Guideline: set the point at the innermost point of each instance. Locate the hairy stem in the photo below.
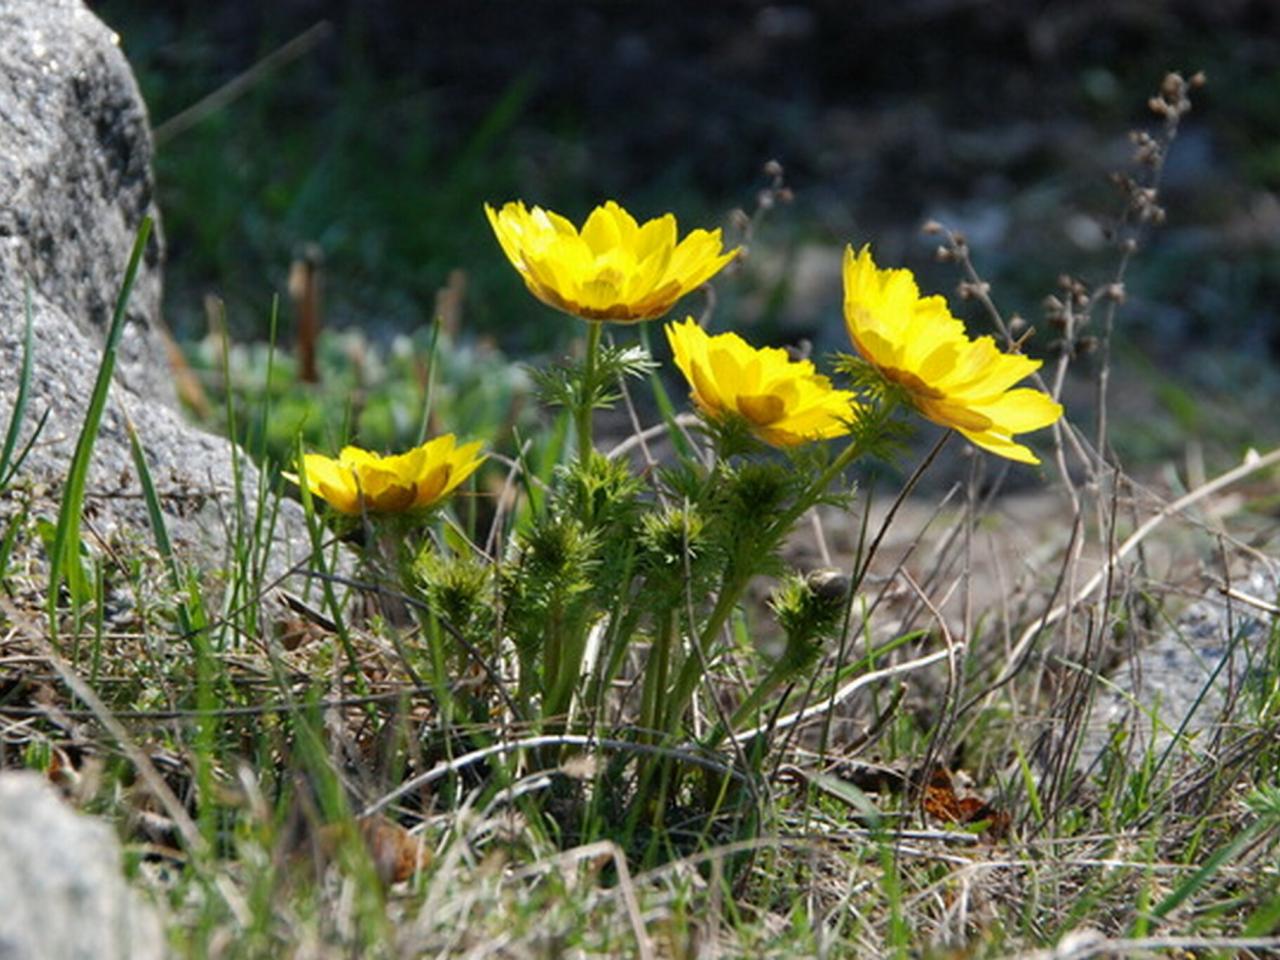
(586, 400)
(655, 677)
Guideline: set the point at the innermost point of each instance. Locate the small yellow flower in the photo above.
(614, 269)
(952, 380)
(360, 481)
(784, 401)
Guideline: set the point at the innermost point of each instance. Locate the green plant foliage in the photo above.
(366, 391)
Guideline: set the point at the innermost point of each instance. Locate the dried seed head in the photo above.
(773, 169)
(943, 254)
(1148, 150)
(802, 350)
(931, 228)
(829, 584)
(1017, 324)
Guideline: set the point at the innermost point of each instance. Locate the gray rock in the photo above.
(64, 895)
(75, 183)
(1194, 678)
(75, 178)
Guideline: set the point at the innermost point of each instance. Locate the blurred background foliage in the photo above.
(379, 132)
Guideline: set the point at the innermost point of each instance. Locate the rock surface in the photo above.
(1189, 678)
(75, 178)
(61, 885)
(75, 183)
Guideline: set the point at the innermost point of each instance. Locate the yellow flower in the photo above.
(952, 380)
(360, 481)
(784, 401)
(614, 269)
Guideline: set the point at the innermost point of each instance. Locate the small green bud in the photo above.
(758, 490)
(671, 539)
(458, 589)
(557, 549)
(599, 491)
(809, 609)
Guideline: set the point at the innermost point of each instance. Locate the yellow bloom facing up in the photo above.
(784, 401)
(360, 481)
(613, 269)
(952, 380)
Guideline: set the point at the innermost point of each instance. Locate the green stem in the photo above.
(586, 400)
(733, 586)
(554, 652)
(569, 670)
(622, 626)
(778, 674)
(526, 683)
(439, 669)
(691, 671)
(838, 466)
(655, 678)
(326, 584)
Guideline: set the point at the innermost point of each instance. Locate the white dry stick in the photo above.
(682, 420)
(590, 657)
(820, 537)
(847, 691)
(1249, 600)
(447, 767)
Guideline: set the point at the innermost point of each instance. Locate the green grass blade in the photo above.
(158, 527)
(1265, 919)
(193, 624)
(429, 391)
(20, 403)
(666, 407)
(1218, 859)
(26, 448)
(11, 538)
(1029, 783)
(65, 556)
(315, 529)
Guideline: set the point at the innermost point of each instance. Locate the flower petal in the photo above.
(614, 269)
(362, 481)
(953, 380)
(784, 402)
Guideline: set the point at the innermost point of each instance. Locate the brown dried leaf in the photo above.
(396, 853)
(942, 802)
